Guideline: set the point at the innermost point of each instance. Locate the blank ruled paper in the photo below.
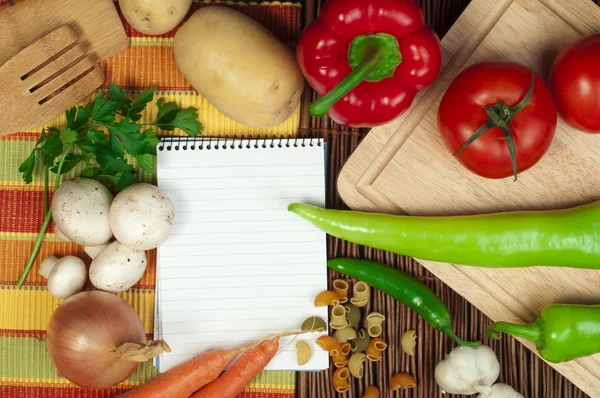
(238, 265)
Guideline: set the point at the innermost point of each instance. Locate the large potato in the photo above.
(239, 66)
(154, 17)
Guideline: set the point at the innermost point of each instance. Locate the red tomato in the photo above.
(575, 84)
(486, 93)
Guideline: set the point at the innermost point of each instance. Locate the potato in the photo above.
(154, 17)
(81, 210)
(239, 66)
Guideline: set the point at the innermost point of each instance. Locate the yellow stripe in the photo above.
(31, 309)
(51, 383)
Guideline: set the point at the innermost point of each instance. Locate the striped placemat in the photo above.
(25, 367)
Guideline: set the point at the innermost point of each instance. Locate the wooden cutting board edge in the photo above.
(382, 143)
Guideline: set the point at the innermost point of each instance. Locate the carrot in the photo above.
(241, 373)
(186, 378)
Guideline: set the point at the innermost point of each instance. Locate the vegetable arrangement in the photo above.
(98, 136)
(564, 238)
(368, 59)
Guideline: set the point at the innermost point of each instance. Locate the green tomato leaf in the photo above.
(146, 162)
(27, 167)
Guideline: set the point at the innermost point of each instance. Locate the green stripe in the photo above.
(280, 378)
(28, 358)
(15, 152)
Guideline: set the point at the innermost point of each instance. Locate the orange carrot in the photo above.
(241, 373)
(186, 378)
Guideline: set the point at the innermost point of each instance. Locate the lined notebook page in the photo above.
(238, 265)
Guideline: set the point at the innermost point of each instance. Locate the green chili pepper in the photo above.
(516, 239)
(561, 332)
(403, 288)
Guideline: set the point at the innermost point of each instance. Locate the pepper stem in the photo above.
(372, 57)
(458, 340)
(531, 332)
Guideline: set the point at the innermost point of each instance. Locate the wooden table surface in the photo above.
(519, 367)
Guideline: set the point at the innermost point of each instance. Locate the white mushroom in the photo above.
(117, 268)
(93, 251)
(141, 216)
(81, 211)
(67, 277)
(47, 265)
(60, 235)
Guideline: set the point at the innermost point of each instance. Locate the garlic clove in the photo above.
(501, 390)
(468, 370)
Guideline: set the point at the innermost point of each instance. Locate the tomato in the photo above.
(575, 84)
(483, 99)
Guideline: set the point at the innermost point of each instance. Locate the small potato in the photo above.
(154, 17)
(67, 277)
(239, 66)
(81, 210)
(117, 268)
(141, 216)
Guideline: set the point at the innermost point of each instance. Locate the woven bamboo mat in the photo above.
(519, 367)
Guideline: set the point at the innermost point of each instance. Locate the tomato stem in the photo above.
(500, 115)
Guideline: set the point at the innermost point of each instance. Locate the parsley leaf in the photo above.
(171, 116)
(67, 136)
(125, 136)
(103, 109)
(27, 167)
(117, 94)
(146, 162)
(51, 149)
(125, 179)
(71, 160)
(135, 111)
(109, 163)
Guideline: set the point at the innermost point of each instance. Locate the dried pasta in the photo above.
(340, 287)
(338, 318)
(409, 342)
(340, 360)
(374, 322)
(375, 349)
(361, 342)
(361, 294)
(402, 381)
(314, 323)
(329, 344)
(356, 365)
(345, 348)
(326, 298)
(340, 380)
(352, 314)
(345, 334)
(303, 352)
(371, 392)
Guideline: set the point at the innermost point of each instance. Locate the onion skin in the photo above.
(85, 331)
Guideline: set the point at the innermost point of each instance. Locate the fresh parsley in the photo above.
(101, 134)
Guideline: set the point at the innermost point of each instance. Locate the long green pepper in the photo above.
(561, 332)
(403, 288)
(569, 238)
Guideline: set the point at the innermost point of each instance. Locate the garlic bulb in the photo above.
(501, 390)
(468, 370)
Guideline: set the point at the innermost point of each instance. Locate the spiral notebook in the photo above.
(238, 265)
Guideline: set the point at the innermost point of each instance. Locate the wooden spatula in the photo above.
(42, 80)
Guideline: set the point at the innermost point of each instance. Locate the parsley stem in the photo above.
(46, 178)
(42, 233)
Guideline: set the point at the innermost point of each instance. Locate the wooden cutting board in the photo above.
(96, 22)
(403, 167)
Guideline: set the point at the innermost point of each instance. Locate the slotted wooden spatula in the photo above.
(42, 80)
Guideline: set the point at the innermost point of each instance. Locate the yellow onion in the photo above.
(96, 340)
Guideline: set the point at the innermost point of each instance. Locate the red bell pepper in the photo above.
(368, 59)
